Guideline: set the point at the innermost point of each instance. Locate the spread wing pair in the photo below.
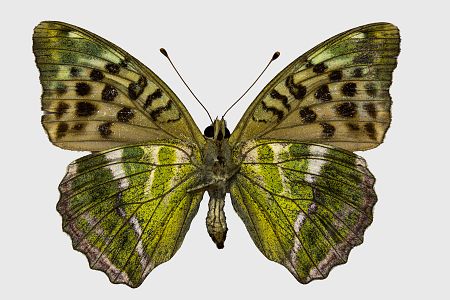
(304, 198)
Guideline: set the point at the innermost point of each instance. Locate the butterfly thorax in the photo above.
(218, 169)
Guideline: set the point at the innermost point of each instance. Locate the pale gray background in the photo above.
(220, 48)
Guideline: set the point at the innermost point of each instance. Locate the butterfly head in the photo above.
(217, 130)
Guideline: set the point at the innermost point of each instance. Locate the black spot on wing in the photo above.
(346, 109)
(349, 89)
(61, 129)
(85, 109)
(105, 129)
(307, 115)
(323, 93)
(75, 72)
(96, 75)
(109, 93)
(112, 68)
(327, 130)
(125, 115)
(320, 68)
(357, 73)
(335, 75)
(82, 88)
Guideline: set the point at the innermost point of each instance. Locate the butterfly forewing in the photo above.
(128, 209)
(305, 205)
(96, 96)
(335, 94)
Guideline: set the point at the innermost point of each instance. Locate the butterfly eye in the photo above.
(227, 133)
(209, 132)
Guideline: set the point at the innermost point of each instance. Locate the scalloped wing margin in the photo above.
(305, 205)
(128, 209)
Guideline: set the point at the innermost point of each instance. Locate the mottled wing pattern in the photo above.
(335, 94)
(96, 96)
(305, 205)
(128, 209)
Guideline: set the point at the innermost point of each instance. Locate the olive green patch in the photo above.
(302, 207)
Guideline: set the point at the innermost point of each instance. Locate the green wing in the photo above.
(128, 209)
(335, 94)
(305, 205)
(96, 96)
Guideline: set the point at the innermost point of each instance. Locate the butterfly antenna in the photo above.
(274, 56)
(164, 52)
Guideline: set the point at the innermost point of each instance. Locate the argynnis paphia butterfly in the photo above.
(304, 197)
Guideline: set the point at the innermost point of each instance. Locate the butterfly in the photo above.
(304, 196)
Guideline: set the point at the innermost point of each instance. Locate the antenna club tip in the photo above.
(276, 55)
(164, 52)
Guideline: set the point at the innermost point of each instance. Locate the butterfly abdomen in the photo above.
(216, 221)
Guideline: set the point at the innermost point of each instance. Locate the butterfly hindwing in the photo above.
(335, 94)
(305, 205)
(96, 96)
(128, 209)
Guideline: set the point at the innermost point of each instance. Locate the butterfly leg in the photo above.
(216, 220)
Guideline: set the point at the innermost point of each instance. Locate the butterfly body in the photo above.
(219, 168)
(304, 196)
